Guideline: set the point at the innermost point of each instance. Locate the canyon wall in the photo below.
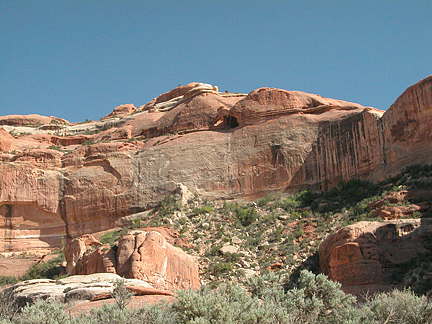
(61, 180)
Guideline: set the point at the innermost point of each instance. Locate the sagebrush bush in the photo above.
(263, 300)
(402, 307)
(121, 294)
(228, 303)
(42, 312)
(8, 308)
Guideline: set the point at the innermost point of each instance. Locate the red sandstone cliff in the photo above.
(218, 145)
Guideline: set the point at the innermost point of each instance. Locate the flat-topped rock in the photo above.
(74, 289)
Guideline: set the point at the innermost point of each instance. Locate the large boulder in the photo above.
(122, 110)
(144, 255)
(74, 289)
(75, 250)
(366, 256)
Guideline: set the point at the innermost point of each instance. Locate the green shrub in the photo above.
(228, 304)
(42, 312)
(264, 201)
(232, 257)
(7, 280)
(8, 307)
(89, 142)
(112, 237)
(55, 147)
(319, 300)
(168, 206)
(306, 198)
(246, 215)
(217, 268)
(203, 210)
(48, 269)
(402, 307)
(121, 294)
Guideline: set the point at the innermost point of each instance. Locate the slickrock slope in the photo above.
(62, 179)
(144, 255)
(366, 256)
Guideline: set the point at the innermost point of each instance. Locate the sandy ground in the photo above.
(15, 266)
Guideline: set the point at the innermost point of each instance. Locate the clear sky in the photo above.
(81, 59)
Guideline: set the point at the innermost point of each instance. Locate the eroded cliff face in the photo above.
(66, 179)
(407, 128)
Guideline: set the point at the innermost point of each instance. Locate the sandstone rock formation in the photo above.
(398, 204)
(144, 255)
(66, 180)
(30, 120)
(364, 256)
(76, 289)
(6, 141)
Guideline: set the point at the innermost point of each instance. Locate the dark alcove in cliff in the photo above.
(231, 122)
(226, 122)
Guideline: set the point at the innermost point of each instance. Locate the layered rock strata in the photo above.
(65, 180)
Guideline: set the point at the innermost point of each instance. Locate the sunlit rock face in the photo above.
(365, 256)
(60, 180)
(144, 255)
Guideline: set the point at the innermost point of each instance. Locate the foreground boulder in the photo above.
(373, 256)
(144, 255)
(75, 289)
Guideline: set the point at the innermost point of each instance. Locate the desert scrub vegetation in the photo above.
(280, 230)
(88, 142)
(111, 238)
(261, 300)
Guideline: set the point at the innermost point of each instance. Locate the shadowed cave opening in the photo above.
(231, 122)
(226, 122)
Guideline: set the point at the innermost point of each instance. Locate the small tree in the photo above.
(121, 294)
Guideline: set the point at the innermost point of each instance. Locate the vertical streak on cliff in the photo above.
(382, 140)
(138, 181)
(61, 209)
(8, 228)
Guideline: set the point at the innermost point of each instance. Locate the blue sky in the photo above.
(81, 59)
